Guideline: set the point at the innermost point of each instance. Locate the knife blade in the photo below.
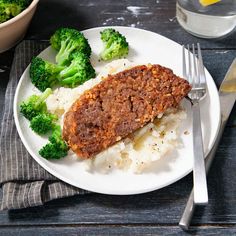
(227, 94)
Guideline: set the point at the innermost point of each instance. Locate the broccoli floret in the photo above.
(56, 148)
(67, 41)
(115, 44)
(56, 136)
(43, 123)
(52, 151)
(79, 71)
(55, 39)
(11, 8)
(43, 74)
(35, 105)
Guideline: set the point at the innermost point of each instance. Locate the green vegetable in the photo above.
(79, 71)
(115, 44)
(43, 74)
(67, 41)
(56, 148)
(11, 8)
(43, 123)
(35, 105)
(56, 135)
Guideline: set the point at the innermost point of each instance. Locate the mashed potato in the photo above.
(138, 151)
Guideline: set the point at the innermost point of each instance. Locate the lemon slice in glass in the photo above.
(208, 2)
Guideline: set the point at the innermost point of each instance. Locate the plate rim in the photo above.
(71, 182)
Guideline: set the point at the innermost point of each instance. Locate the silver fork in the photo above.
(196, 76)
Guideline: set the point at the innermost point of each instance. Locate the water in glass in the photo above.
(211, 21)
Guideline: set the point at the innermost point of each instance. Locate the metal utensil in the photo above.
(196, 76)
(227, 93)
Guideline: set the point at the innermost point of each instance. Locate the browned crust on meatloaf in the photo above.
(119, 105)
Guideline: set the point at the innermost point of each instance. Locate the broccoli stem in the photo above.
(67, 72)
(72, 81)
(44, 96)
(65, 50)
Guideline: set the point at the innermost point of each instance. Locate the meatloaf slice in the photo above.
(119, 105)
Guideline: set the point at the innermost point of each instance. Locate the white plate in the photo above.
(145, 47)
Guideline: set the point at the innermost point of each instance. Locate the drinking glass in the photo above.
(213, 21)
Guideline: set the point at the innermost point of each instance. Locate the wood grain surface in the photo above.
(158, 212)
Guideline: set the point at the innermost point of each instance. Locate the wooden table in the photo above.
(158, 212)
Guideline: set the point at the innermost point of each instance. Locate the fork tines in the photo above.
(194, 72)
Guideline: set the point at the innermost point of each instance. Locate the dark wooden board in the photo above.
(118, 230)
(157, 16)
(155, 213)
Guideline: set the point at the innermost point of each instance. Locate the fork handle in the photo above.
(190, 206)
(200, 195)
